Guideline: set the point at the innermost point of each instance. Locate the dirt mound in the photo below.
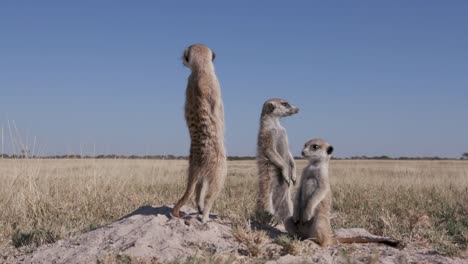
(151, 235)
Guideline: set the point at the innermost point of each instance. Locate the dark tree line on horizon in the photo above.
(173, 157)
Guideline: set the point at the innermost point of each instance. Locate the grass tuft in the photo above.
(35, 237)
(291, 246)
(253, 241)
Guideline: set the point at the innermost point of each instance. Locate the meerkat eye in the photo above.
(285, 104)
(315, 147)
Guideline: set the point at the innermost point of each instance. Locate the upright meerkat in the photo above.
(204, 113)
(311, 218)
(312, 208)
(276, 166)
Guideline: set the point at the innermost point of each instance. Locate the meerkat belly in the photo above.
(282, 145)
(309, 186)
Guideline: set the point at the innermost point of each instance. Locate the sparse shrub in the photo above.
(34, 237)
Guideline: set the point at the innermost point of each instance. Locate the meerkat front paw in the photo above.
(306, 217)
(293, 176)
(286, 176)
(292, 171)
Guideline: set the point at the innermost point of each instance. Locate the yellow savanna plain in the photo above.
(420, 202)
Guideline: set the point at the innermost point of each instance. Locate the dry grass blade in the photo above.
(252, 240)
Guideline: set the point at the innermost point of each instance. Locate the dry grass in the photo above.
(253, 241)
(421, 202)
(292, 245)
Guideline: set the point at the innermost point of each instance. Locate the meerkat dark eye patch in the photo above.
(285, 104)
(330, 150)
(186, 55)
(315, 146)
(213, 55)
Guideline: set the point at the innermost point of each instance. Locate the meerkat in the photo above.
(313, 204)
(276, 165)
(312, 207)
(204, 114)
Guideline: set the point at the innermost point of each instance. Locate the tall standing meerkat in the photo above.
(276, 166)
(313, 204)
(204, 114)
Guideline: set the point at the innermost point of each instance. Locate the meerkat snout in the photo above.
(295, 109)
(290, 109)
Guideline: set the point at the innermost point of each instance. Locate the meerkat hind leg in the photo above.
(282, 202)
(209, 201)
(322, 231)
(265, 193)
(200, 196)
(214, 187)
(286, 207)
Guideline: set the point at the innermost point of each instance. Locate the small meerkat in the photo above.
(276, 165)
(311, 218)
(313, 204)
(204, 114)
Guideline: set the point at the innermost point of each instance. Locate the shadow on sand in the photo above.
(271, 231)
(165, 210)
(150, 210)
(188, 213)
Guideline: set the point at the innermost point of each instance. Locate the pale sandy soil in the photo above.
(151, 235)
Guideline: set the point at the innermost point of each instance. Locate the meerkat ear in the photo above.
(268, 107)
(330, 150)
(213, 55)
(186, 54)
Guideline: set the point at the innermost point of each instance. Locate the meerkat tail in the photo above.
(191, 185)
(386, 241)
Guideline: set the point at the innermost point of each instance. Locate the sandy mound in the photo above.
(150, 233)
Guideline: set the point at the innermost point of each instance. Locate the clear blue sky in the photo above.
(371, 77)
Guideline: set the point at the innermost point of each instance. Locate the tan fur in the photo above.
(312, 208)
(276, 166)
(204, 114)
(311, 219)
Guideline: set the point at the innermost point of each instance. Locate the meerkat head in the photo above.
(196, 55)
(278, 108)
(317, 149)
